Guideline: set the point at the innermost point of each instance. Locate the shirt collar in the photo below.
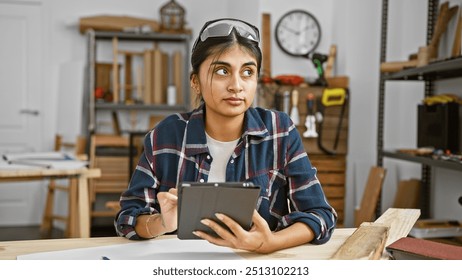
(196, 141)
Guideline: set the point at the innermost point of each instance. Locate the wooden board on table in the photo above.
(400, 222)
(366, 243)
(370, 240)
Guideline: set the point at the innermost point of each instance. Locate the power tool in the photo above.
(318, 60)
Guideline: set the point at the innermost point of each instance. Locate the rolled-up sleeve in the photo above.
(305, 193)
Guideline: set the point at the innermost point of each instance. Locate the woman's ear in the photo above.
(195, 85)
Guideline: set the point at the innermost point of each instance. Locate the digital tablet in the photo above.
(197, 201)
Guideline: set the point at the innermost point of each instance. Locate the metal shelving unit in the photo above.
(428, 74)
(426, 160)
(90, 106)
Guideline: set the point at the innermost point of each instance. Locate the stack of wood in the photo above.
(429, 53)
(153, 75)
(156, 75)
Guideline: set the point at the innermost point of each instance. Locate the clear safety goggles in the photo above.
(223, 27)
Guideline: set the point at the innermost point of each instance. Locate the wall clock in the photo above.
(298, 33)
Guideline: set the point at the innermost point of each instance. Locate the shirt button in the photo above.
(201, 180)
(208, 156)
(232, 161)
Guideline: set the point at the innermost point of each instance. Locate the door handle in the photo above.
(30, 112)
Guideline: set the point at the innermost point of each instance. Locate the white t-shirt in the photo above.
(221, 153)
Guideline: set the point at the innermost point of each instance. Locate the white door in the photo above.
(20, 104)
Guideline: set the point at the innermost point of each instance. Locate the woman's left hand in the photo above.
(258, 239)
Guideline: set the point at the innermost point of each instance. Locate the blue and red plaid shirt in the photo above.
(269, 154)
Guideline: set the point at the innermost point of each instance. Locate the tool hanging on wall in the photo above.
(294, 114)
(331, 97)
(310, 121)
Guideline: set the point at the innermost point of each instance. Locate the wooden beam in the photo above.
(366, 243)
(400, 222)
(370, 239)
(266, 45)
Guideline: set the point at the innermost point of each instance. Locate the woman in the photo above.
(225, 139)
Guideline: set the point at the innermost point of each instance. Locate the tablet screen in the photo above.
(197, 201)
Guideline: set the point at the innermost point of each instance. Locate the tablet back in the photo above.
(197, 201)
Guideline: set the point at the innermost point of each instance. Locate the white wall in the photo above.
(353, 25)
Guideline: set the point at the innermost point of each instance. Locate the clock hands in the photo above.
(290, 30)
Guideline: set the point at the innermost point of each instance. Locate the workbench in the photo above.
(9, 250)
(80, 224)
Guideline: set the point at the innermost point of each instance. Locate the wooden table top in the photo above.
(9, 250)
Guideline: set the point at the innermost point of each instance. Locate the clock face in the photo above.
(298, 33)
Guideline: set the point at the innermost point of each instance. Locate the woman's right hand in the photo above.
(168, 202)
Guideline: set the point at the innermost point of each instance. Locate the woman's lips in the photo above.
(234, 100)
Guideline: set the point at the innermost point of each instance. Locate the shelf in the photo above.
(424, 160)
(445, 69)
(167, 37)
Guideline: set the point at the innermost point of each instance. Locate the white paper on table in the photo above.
(55, 160)
(165, 249)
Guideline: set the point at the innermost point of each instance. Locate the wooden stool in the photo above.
(71, 188)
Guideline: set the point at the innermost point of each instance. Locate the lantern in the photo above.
(172, 16)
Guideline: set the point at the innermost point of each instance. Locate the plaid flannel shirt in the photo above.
(269, 154)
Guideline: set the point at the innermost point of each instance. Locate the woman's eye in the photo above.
(247, 73)
(222, 72)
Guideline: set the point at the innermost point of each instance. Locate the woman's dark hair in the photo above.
(218, 45)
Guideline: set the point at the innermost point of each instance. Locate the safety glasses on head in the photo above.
(223, 27)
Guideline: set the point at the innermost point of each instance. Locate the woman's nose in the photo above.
(235, 84)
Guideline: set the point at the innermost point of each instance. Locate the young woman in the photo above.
(226, 139)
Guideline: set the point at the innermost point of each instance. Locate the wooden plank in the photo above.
(400, 222)
(408, 194)
(331, 61)
(334, 192)
(115, 23)
(147, 66)
(312, 148)
(328, 163)
(110, 140)
(370, 239)
(366, 243)
(157, 82)
(457, 37)
(338, 82)
(128, 77)
(115, 70)
(177, 76)
(266, 44)
(395, 66)
(371, 194)
(336, 203)
(331, 178)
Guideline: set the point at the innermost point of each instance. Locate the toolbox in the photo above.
(439, 126)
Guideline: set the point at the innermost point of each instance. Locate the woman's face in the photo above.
(228, 83)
